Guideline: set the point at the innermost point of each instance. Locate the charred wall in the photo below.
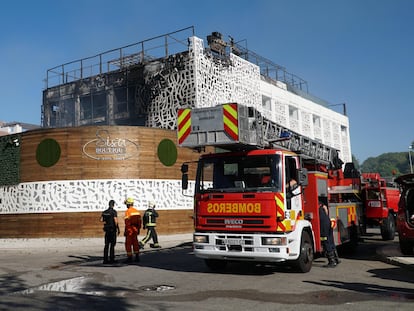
(131, 95)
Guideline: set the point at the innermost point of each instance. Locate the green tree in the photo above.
(387, 164)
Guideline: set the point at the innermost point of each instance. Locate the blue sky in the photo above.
(358, 52)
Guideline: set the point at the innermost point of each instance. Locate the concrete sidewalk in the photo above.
(90, 246)
(52, 243)
(391, 254)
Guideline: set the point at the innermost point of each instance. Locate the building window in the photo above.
(99, 105)
(85, 107)
(316, 121)
(344, 131)
(266, 103)
(293, 113)
(120, 103)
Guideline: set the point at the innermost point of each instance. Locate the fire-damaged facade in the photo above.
(128, 90)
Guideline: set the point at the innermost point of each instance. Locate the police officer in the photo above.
(327, 239)
(150, 223)
(110, 219)
(132, 227)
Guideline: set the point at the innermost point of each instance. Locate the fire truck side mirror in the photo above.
(184, 168)
(303, 177)
(184, 177)
(184, 181)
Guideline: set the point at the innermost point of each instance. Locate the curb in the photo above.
(391, 254)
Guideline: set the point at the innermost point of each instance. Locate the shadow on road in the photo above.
(398, 293)
(179, 258)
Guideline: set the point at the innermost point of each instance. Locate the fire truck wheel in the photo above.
(388, 228)
(216, 264)
(304, 262)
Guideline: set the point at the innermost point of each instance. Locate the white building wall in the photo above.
(218, 82)
(56, 196)
(237, 80)
(11, 129)
(333, 129)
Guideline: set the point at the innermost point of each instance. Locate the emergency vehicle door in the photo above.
(293, 190)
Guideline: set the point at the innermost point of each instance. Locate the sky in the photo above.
(357, 52)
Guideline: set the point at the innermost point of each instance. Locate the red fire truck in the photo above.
(380, 203)
(344, 192)
(246, 207)
(405, 216)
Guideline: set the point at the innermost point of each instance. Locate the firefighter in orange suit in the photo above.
(132, 226)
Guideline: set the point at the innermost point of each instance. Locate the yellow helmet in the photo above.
(129, 201)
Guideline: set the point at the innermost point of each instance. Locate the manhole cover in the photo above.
(157, 288)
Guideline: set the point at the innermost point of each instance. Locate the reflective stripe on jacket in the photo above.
(150, 218)
(132, 217)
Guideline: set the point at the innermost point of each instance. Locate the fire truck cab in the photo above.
(240, 194)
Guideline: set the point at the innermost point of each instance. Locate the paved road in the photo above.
(63, 274)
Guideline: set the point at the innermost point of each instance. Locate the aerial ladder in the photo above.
(235, 127)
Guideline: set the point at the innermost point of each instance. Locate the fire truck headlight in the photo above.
(274, 241)
(200, 239)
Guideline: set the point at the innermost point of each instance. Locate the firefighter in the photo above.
(111, 227)
(150, 223)
(132, 227)
(327, 239)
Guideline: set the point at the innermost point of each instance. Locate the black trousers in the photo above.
(110, 242)
(151, 233)
(329, 244)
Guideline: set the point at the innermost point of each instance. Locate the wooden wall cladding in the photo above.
(84, 225)
(75, 164)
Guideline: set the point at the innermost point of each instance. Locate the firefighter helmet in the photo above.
(129, 201)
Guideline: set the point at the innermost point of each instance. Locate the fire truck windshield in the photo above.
(230, 173)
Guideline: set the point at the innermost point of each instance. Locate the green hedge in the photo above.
(10, 159)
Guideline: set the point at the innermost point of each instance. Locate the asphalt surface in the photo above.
(42, 274)
(36, 274)
(389, 253)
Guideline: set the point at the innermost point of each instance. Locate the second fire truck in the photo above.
(380, 203)
(256, 198)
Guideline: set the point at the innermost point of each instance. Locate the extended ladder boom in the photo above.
(237, 127)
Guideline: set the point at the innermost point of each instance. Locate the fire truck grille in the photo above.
(234, 243)
(236, 223)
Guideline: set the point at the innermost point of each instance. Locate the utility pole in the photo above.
(409, 157)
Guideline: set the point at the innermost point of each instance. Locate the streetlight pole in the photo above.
(409, 157)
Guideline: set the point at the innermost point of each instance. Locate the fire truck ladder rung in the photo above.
(276, 134)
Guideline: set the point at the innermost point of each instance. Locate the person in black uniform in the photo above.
(150, 223)
(110, 219)
(327, 238)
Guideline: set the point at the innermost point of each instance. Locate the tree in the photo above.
(387, 164)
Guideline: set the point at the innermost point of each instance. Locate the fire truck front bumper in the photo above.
(245, 247)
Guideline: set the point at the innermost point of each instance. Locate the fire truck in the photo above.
(344, 196)
(256, 198)
(380, 203)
